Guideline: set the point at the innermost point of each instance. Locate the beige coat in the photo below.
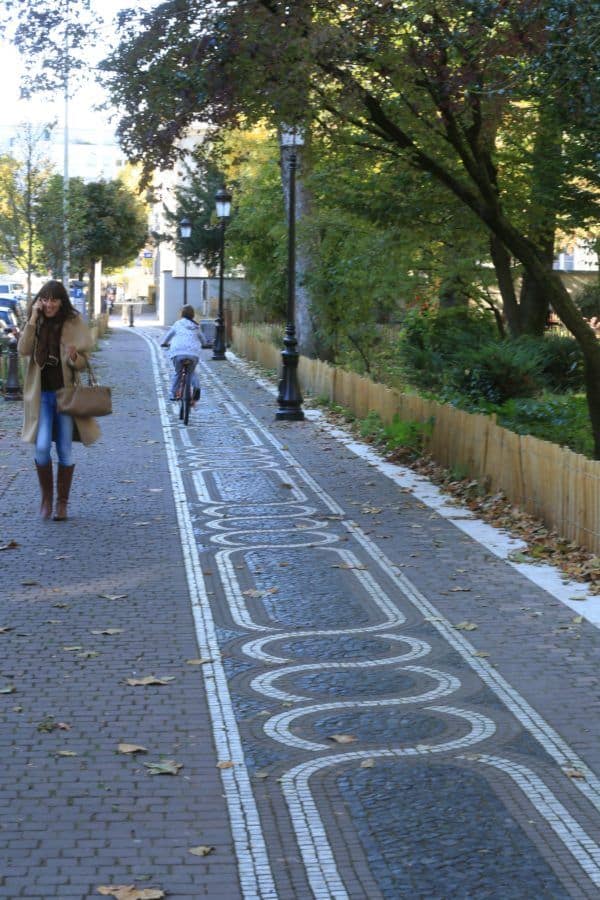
(74, 333)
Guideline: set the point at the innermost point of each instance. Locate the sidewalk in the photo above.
(358, 699)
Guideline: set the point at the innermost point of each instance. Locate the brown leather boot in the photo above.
(64, 478)
(47, 488)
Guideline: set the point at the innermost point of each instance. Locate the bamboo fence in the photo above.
(557, 486)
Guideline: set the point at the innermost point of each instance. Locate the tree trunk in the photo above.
(501, 259)
(302, 307)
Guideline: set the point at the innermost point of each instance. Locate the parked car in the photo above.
(19, 307)
(12, 289)
(8, 320)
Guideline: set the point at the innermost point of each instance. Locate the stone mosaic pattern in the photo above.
(337, 641)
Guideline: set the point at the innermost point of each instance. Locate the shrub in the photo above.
(588, 300)
(432, 339)
(561, 361)
(564, 420)
(495, 372)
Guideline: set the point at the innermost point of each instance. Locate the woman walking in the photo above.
(57, 342)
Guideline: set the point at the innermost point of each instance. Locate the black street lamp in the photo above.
(223, 205)
(289, 397)
(185, 232)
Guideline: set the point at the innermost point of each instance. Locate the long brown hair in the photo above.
(56, 290)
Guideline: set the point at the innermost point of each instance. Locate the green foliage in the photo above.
(496, 372)
(561, 361)
(433, 339)
(561, 419)
(588, 300)
(398, 435)
(49, 224)
(195, 200)
(115, 224)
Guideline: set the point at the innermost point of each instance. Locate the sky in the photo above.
(86, 122)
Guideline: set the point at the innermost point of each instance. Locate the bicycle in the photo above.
(185, 392)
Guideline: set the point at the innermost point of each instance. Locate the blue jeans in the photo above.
(56, 426)
(178, 363)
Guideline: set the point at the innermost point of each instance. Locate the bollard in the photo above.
(130, 314)
(12, 389)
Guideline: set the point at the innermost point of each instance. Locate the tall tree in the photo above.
(49, 224)
(23, 178)
(432, 83)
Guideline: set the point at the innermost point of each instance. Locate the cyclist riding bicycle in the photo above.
(184, 342)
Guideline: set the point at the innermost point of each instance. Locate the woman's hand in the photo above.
(72, 351)
(35, 311)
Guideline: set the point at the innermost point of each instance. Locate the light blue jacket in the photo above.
(183, 338)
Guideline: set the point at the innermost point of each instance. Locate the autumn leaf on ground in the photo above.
(342, 738)
(149, 679)
(72, 648)
(131, 748)
(466, 626)
(367, 763)
(130, 892)
(29, 583)
(481, 653)
(4, 629)
(456, 590)
(225, 765)
(201, 850)
(197, 662)
(49, 724)
(577, 620)
(107, 631)
(573, 773)
(65, 753)
(346, 566)
(113, 596)
(88, 654)
(8, 689)
(10, 546)
(164, 767)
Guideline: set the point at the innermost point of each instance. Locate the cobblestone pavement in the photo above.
(363, 701)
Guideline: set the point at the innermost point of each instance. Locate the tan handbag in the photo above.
(84, 401)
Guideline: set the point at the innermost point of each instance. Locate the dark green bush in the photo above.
(562, 361)
(432, 339)
(496, 372)
(563, 420)
(588, 300)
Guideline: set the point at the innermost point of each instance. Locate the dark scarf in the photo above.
(47, 341)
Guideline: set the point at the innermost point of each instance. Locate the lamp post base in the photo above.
(219, 344)
(289, 397)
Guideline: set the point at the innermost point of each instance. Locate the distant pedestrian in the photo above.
(58, 342)
(184, 340)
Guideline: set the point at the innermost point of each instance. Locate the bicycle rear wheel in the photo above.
(183, 392)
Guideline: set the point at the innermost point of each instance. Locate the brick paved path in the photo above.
(342, 738)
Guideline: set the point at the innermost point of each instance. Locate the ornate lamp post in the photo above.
(185, 232)
(223, 205)
(289, 397)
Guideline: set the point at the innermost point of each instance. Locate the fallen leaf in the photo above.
(579, 599)
(10, 546)
(201, 850)
(342, 738)
(346, 566)
(149, 679)
(113, 596)
(131, 748)
(4, 629)
(29, 583)
(456, 590)
(466, 626)
(8, 689)
(225, 765)
(367, 764)
(577, 620)
(197, 662)
(72, 648)
(88, 654)
(164, 767)
(573, 773)
(481, 653)
(107, 631)
(66, 753)
(130, 892)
